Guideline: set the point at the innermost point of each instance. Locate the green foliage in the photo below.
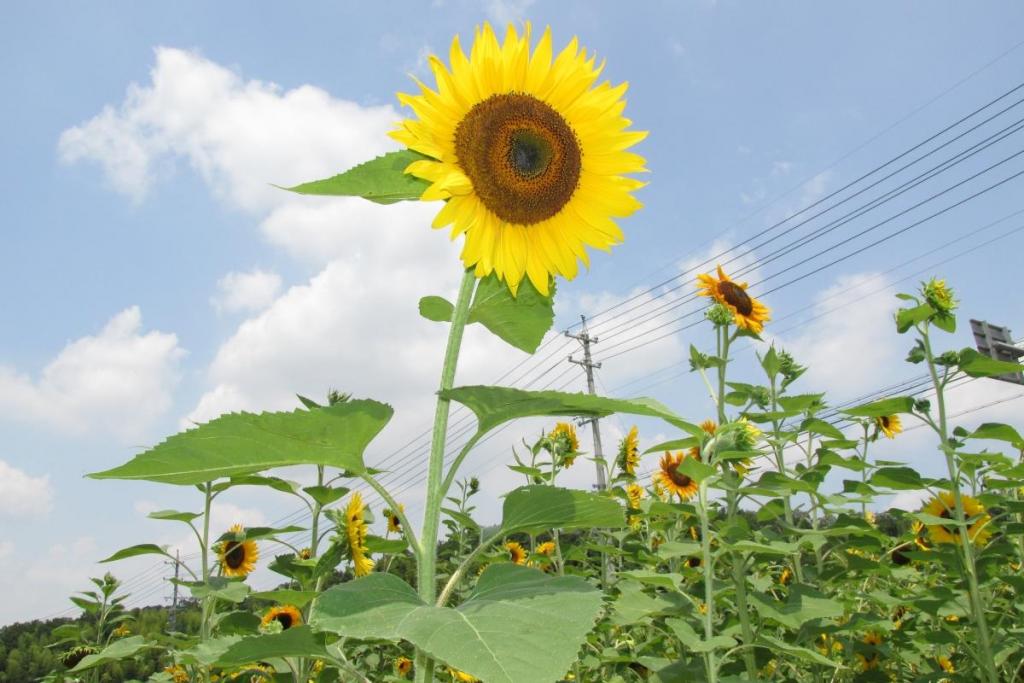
(382, 180)
(535, 509)
(513, 612)
(243, 443)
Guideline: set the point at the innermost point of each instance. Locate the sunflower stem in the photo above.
(709, 581)
(427, 566)
(864, 473)
(205, 551)
(967, 545)
(732, 497)
(780, 463)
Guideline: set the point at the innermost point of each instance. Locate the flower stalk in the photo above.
(426, 570)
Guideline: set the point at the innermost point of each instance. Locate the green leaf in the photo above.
(674, 445)
(887, 406)
(801, 402)
(534, 509)
(494, 406)
(141, 549)
(771, 362)
(325, 495)
(897, 478)
(802, 605)
(382, 180)
(298, 641)
(386, 546)
(257, 533)
(174, 515)
(816, 426)
(462, 518)
(276, 483)
(115, 652)
(667, 580)
(436, 308)
(520, 320)
(244, 443)
(978, 365)
(998, 432)
(804, 653)
(219, 587)
(908, 317)
(286, 596)
(688, 636)
(518, 625)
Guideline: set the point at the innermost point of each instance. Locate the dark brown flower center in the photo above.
(885, 421)
(677, 477)
(234, 554)
(522, 157)
(736, 297)
(284, 619)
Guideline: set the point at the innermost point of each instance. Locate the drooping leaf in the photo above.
(115, 652)
(325, 495)
(978, 365)
(219, 587)
(496, 405)
(245, 443)
(520, 320)
(897, 478)
(386, 546)
(382, 180)
(298, 641)
(534, 509)
(689, 637)
(998, 432)
(887, 406)
(908, 317)
(804, 653)
(518, 625)
(436, 308)
(135, 550)
(257, 533)
(276, 483)
(802, 605)
(174, 515)
(817, 426)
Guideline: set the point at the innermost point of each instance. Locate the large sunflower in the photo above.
(748, 312)
(355, 530)
(629, 451)
(237, 558)
(528, 152)
(672, 479)
(286, 615)
(394, 521)
(944, 505)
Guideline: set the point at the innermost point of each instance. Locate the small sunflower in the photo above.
(121, 631)
(826, 644)
(709, 427)
(889, 425)
(546, 548)
(564, 434)
(629, 452)
(785, 577)
(462, 676)
(748, 312)
(920, 535)
(870, 658)
(516, 552)
(403, 666)
(237, 558)
(177, 673)
(530, 155)
(946, 664)
(673, 480)
(394, 522)
(286, 615)
(355, 530)
(659, 490)
(634, 493)
(943, 506)
(938, 295)
(306, 554)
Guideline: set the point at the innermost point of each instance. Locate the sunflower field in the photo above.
(733, 562)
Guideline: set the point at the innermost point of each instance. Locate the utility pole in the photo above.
(172, 621)
(588, 365)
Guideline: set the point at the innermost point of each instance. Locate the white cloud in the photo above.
(231, 131)
(22, 495)
(251, 291)
(853, 344)
(504, 12)
(6, 549)
(119, 381)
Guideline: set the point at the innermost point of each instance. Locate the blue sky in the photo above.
(150, 275)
